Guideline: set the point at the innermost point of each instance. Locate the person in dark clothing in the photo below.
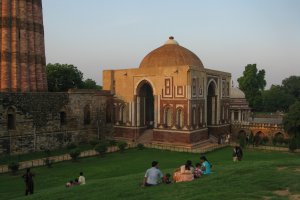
(239, 153)
(28, 178)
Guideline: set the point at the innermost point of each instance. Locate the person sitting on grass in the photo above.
(72, 183)
(166, 179)
(153, 175)
(81, 179)
(184, 173)
(206, 166)
(76, 182)
(198, 171)
(69, 184)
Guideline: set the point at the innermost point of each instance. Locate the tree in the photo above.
(252, 83)
(292, 86)
(291, 121)
(277, 99)
(62, 77)
(91, 84)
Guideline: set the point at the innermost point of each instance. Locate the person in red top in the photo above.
(198, 171)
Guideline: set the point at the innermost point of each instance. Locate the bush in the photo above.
(280, 139)
(293, 145)
(71, 146)
(251, 138)
(140, 146)
(74, 153)
(274, 141)
(94, 142)
(257, 139)
(112, 143)
(122, 145)
(265, 139)
(14, 167)
(48, 162)
(101, 148)
(286, 141)
(242, 141)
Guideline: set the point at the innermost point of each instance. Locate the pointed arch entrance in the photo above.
(212, 103)
(145, 105)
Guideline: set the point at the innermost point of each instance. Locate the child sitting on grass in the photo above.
(166, 179)
(198, 171)
(72, 183)
(69, 184)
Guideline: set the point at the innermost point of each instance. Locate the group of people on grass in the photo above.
(153, 176)
(78, 181)
(186, 172)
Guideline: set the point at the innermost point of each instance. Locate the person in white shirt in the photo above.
(81, 179)
(153, 175)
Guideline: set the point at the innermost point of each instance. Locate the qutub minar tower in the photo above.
(22, 56)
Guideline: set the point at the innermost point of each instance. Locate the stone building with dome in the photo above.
(239, 107)
(170, 96)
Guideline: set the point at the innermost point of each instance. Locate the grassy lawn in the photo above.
(117, 176)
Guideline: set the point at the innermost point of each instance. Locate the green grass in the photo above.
(6, 159)
(117, 176)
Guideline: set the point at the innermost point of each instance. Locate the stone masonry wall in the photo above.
(37, 119)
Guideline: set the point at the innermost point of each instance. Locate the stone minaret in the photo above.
(22, 46)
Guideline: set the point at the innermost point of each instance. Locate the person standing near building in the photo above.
(28, 178)
(153, 175)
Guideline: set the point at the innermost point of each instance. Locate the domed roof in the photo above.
(236, 93)
(170, 54)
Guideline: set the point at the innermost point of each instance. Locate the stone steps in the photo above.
(146, 137)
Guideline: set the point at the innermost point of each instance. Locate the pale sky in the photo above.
(226, 35)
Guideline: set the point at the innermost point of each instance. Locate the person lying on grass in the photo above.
(153, 175)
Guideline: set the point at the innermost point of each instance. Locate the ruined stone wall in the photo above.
(33, 121)
(269, 130)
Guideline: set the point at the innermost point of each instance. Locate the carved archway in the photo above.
(145, 104)
(212, 103)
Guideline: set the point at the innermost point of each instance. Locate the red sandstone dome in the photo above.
(170, 54)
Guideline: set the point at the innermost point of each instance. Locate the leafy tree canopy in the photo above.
(291, 121)
(277, 99)
(91, 84)
(62, 77)
(292, 86)
(252, 83)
